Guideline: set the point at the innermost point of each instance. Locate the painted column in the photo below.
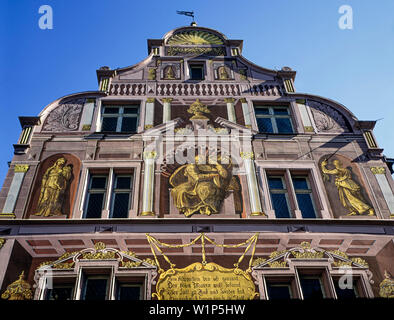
(254, 195)
(149, 113)
(230, 109)
(149, 180)
(167, 109)
(87, 114)
(380, 174)
(246, 113)
(9, 206)
(306, 121)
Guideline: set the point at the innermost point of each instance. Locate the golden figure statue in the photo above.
(169, 73)
(201, 188)
(53, 186)
(223, 75)
(349, 191)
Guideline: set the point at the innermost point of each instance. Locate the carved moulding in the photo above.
(65, 117)
(327, 119)
(126, 259)
(337, 258)
(18, 290)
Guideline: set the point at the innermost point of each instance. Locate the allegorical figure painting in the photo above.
(53, 187)
(349, 191)
(201, 188)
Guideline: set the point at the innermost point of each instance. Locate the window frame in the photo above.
(114, 191)
(304, 191)
(193, 64)
(89, 191)
(120, 115)
(272, 116)
(284, 191)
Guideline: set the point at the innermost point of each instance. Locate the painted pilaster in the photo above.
(306, 121)
(230, 109)
(380, 174)
(9, 206)
(87, 115)
(167, 109)
(254, 195)
(246, 113)
(149, 180)
(149, 112)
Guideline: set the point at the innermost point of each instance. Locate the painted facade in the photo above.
(196, 153)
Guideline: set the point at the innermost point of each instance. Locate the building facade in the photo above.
(196, 174)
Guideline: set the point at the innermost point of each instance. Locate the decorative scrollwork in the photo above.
(18, 290)
(65, 117)
(386, 287)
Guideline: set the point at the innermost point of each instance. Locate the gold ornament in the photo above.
(194, 37)
(348, 190)
(150, 154)
(18, 290)
(197, 109)
(222, 73)
(86, 127)
(247, 155)
(21, 168)
(386, 287)
(169, 73)
(378, 170)
(53, 186)
(152, 74)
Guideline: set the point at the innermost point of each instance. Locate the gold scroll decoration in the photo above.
(205, 280)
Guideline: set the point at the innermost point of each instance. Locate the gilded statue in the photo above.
(349, 191)
(53, 186)
(169, 73)
(201, 188)
(223, 75)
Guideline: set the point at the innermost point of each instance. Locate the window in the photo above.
(274, 119)
(120, 118)
(127, 291)
(312, 287)
(95, 288)
(121, 196)
(279, 290)
(60, 292)
(303, 193)
(96, 196)
(279, 196)
(196, 72)
(346, 293)
(286, 197)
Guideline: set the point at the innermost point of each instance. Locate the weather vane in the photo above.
(187, 13)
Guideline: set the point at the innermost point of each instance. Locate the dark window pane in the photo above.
(109, 124)
(284, 125)
(111, 110)
(265, 125)
(98, 183)
(311, 288)
(60, 293)
(280, 205)
(130, 110)
(123, 183)
(95, 289)
(262, 111)
(95, 205)
(121, 205)
(278, 291)
(281, 111)
(300, 184)
(128, 292)
(305, 204)
(345, 293)
(275, 183)
(196, 73)
(129, 124)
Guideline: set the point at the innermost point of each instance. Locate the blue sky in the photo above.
(354, 67)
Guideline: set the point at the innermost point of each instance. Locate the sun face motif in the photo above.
(195, 37)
